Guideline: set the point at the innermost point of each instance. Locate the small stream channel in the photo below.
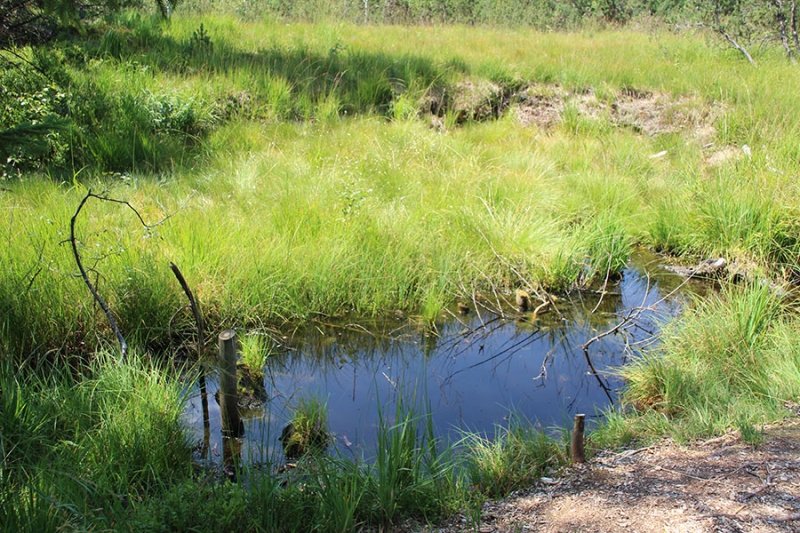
(472, 373)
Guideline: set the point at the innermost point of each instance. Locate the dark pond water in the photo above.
(471, 372)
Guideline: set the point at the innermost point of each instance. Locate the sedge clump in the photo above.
(307, 432)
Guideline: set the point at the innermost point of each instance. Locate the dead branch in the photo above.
(631, 317)
(198, 318)
(543, 370)
(201, 339)
(635, 312)
(83, 271)
(605, 286)
(719, 29)
(73, 241)
(739, 47)
(541, 307)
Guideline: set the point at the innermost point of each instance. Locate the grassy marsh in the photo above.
(322, 169)
(331, 213)
(111, 452)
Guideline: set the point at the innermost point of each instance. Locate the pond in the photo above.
(471, 372)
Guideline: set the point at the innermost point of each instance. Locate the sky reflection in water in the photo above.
(472, 372)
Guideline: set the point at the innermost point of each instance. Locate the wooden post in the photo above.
(576, 449)
(228, 397)
(231, 457)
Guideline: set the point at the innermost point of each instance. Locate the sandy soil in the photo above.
(720, 485)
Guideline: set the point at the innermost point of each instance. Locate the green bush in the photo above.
(32, 111)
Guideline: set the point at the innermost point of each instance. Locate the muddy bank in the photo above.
(548, 105)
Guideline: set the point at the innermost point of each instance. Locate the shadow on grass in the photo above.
(118, 126)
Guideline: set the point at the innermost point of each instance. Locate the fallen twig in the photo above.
(634, 313)
(629, 453)
(790, 518)
(690, 476)
(605, 285)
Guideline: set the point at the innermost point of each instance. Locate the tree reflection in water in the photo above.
(471, 371)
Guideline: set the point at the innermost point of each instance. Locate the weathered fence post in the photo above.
(228, 397)
(231, 457)
(576, 449)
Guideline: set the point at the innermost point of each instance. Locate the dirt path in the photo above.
(721, 485)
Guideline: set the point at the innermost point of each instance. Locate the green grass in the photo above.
(110, 451)
(412, 473)
(516, 457)
(254, 350)
(727, 364)
(74, 451)
(303, 178)
(307, 433)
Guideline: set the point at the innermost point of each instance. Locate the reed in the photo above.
(400, 476)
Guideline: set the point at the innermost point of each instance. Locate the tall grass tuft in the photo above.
(307, 434)
(341, 487)
(411, 474)
(722, 363)
(75, 450)
(254, 350)
(515, 458)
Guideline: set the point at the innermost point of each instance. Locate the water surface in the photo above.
(471, 371)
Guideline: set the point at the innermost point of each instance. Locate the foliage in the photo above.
(33, 110)
(24, 22)
(515, 458)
